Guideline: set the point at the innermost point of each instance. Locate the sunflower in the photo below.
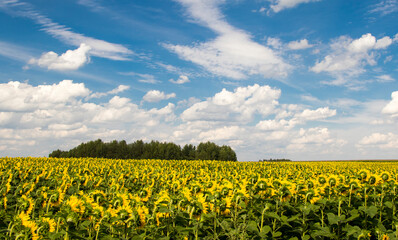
(76, 205)
(51, 223)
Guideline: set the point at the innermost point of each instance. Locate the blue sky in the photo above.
(298, 79)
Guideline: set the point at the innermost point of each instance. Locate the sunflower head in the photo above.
(385, 176)
(322, 179)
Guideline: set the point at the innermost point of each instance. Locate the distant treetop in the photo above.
(275, 160)
(152, 150)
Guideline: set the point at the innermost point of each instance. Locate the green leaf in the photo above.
(354, 214)
(305, 237)
(163, 209)
(252, 227)
(324, 232)
(277, 234)
(388, 204)
(265, 230)
(272, 215)
(352, 230)
(371, 211)
(332, 218)
(85, 224)
(381, 227)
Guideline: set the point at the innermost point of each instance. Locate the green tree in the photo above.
(227, 154)
(188, 152)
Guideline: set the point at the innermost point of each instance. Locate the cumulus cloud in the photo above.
(279, 5)
(272, 125)
(239, 105)
(296, 119)
(62, 115)
(181, 80)
(298, 45)
(119, 89)
(17, 96)
(315, 137)
(45, 117)
(349, 57)
(222, 133)
(232, 53)
(70, 60)
(320, 113)
(157, 96)
(379, 140)
(392, 107)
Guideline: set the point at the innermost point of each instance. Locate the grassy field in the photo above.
(85, 198)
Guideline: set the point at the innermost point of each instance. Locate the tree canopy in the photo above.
(152, 150)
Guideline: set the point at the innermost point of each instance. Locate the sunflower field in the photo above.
(89, 198)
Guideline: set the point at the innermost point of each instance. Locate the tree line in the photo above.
(275, 160)
(152, 150)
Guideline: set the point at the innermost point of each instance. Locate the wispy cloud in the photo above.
(385, 7)
(279, 5)
(15, 52)
(232, 53)
(100, 48)
(144, 78)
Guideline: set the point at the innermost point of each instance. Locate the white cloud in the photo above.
(385, 78)
(316, 138)
(274, 43)
(349, 57)
(14, 52)
(181, 80)
(279, 5)
(240, 105)
(379, 140)
(392, 107)
(70, 60)
(298, 45)
(100, 48)
(119, 89)
(232, 53)
(297, 118)
(272, 125)
(157, 96)
(45, 117)
(144, 78)
(169, 67)
(223, 133)
(60, 115)
(383, 43)
(385, 7)
(5, 118)
(262, 9)
(313, 135)
(320, 113)
(17, 96)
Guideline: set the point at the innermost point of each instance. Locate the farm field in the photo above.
(88, 198)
